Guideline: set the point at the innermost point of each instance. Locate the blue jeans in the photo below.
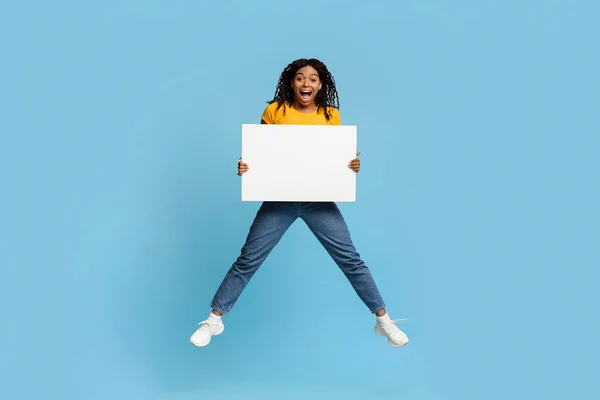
(272, 220)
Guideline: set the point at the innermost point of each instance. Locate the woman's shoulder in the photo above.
(276, 105)
(271, 112)
(333, 110)
(272, 106)
(334, 113)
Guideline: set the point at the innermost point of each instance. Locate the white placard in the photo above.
(298, 162)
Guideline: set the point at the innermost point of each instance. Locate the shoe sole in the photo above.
(379, 333)
(217, 333)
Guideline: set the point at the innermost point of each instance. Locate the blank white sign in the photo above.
(298, 163)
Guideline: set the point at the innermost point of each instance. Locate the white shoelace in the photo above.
(390, 326)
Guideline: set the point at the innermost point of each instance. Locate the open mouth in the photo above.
(305, 94)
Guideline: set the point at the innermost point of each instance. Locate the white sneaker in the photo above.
(396, 338)
(207, 329)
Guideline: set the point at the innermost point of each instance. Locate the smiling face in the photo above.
(306, 84)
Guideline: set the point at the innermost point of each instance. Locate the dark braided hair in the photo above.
(325, 98)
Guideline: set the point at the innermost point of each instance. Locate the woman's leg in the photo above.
(271, 222)
(327, 224)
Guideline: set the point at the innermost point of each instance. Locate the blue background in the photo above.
(477, 205)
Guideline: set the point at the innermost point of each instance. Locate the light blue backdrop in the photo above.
(477, 205)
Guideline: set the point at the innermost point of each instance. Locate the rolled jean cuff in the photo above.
(219, 310)
(375, 311)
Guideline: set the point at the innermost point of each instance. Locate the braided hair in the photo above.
(326, 97)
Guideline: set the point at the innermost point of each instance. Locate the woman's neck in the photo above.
(304, 109)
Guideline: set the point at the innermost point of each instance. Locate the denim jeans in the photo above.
(272, 220)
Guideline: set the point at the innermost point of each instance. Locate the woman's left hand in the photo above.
(354, 165)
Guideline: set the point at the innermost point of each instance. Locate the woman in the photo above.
(305, 94)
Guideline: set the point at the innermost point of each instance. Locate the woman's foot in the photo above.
(387, 327)
(212, 326)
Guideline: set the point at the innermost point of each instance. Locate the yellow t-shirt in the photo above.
(272, 115)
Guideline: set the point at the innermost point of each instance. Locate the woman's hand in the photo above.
(354, 165)
(242, 167)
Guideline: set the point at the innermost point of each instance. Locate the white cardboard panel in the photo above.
(298, 162)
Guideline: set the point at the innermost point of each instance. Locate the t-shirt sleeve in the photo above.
(268, 116)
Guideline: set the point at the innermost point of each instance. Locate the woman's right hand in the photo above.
(242, 167)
